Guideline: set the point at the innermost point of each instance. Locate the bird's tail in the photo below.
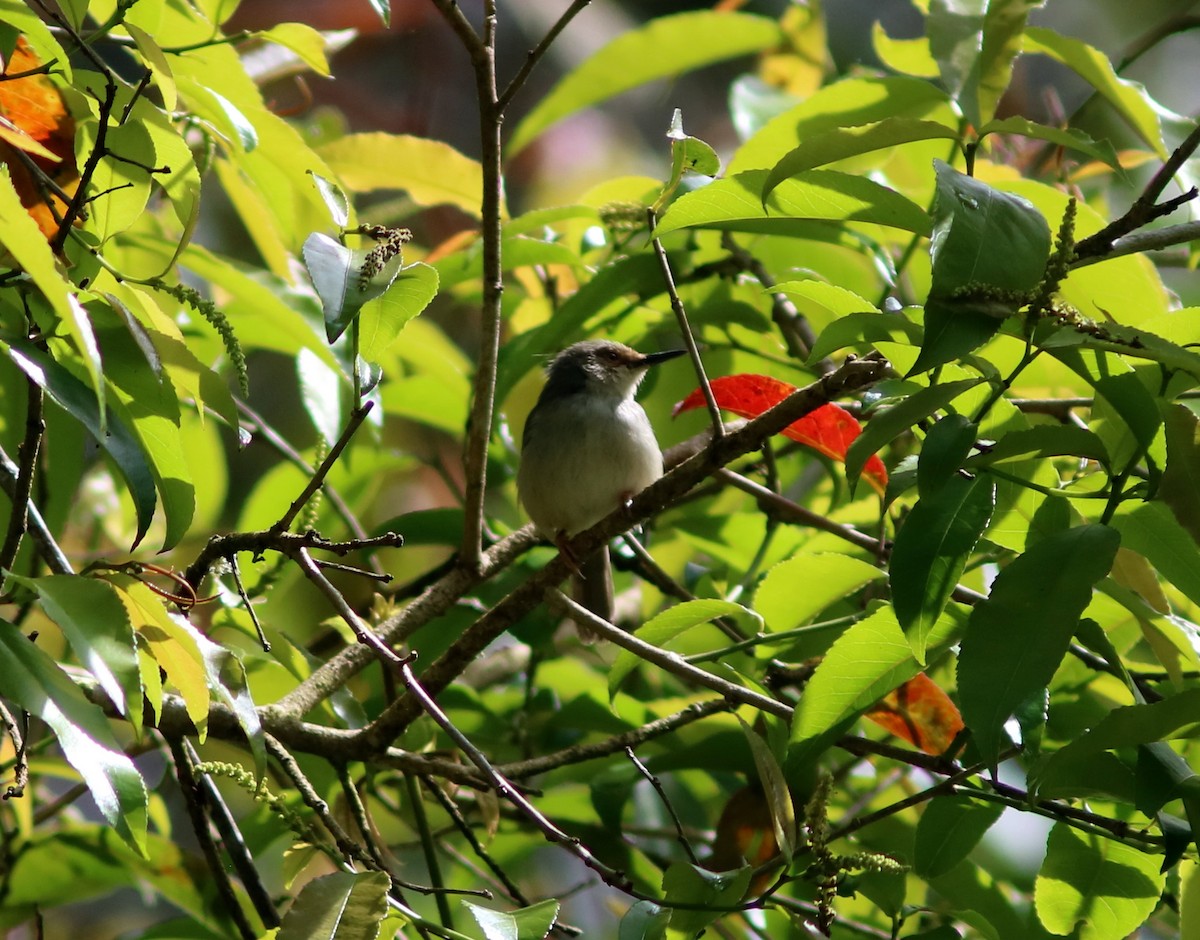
(594, 589)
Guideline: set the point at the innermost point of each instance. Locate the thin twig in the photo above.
(666, 802)
(36, 527)
(193, 800)
(357, 416)
(35, 428)
(536, 53)
(235, 846)
(685, 329)
(428, 849)
(1137, 242)
(263, 428)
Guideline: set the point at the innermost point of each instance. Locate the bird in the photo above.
(588, 448)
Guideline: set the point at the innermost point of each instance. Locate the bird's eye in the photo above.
(611, 355)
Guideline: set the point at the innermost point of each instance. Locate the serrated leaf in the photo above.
(339, 906)
(703, 893)
(1099, 887)
(336, 273)
(826, 579)
(1047, 441)
(1180, 486)
(735, 204)
(865, 663)
(157, 63)
(34, 681)
(865, 328)
(383, 318)
(334, 198)
(1016, 638)
(1150, 529)
(528, 923)
(665, 47)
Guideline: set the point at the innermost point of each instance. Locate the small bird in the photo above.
(588, 448)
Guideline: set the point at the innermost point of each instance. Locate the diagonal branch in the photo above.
(536, 53)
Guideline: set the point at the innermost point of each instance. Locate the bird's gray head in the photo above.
(599, 366)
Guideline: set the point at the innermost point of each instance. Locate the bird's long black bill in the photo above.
(652, 359)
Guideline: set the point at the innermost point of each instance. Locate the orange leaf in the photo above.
(829, 429)
(34, 119)
(920, 713)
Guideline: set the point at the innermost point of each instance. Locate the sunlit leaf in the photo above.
(1095, 885)
(735, 203)
(664, 47)
(338, 906)
(29, 677)
(950, 827)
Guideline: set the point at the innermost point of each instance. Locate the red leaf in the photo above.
(829, 429)
(920, 713)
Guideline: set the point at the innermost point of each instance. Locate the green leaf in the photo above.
(775, 789)
(931, 552)
(868, 328)
(1099, 886)
(644, 920)
(944, 452)
(974, 43)
(843, 142)
(666, 626)
(950, 827)
(152, 55)
(1069, 137)
(430, 171)
(663, 48)
(339, 906)
(988, 247)
(1126, 726)
(703, 893)
(1180, 486)
(96, 625)
(736, 204)
(1016, 638)
(140, 397)
(19, 14)
(223, 115)
(114, 435)
(303, 40)
(334, 198)
(383, 318)
(34, 681)
(1043, 441)
(337, 274)
(890, 423)
(982, 236)
(1150, 529)
(515, 252)
(846, 103)
(864, 664)
(795, 591)
(528, 923)
(1129, 99)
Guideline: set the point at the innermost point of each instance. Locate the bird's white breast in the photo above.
(584, 456)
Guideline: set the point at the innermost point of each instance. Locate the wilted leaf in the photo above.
(920, 713)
